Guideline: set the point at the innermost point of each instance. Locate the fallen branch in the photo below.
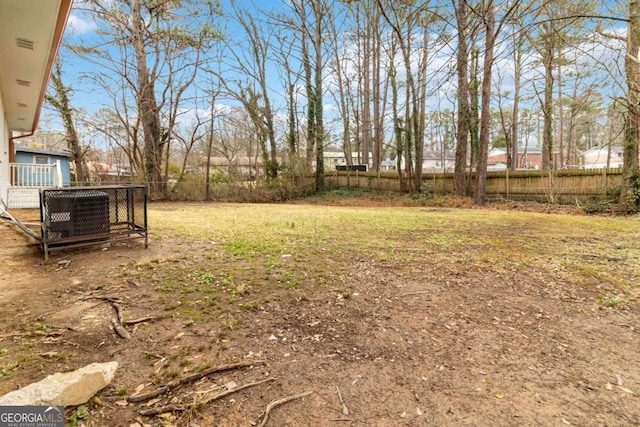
(606, 258)
(141, 320)
(345, 410)
(120, 330)
(408, 294)
(275, 403)
(119, 323)
(118, 308)
(13, 334)
(176, 383)
(179, 408)
(127, 256)
(105, 299)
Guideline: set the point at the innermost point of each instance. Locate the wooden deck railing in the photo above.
(35, 176)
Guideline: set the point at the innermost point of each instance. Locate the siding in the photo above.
(4, 153)
(29, 158)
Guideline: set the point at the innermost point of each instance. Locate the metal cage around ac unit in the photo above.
(80, 216)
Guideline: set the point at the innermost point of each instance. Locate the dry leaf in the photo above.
(49, 354)
(138, 389)
(165, 415)
(153, 401)
(121, 403)
(626, 390)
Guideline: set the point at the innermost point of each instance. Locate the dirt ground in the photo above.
(378, 343)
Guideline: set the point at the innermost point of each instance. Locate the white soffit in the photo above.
(27, 31)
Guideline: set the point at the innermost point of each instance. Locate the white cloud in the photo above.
(79, 25)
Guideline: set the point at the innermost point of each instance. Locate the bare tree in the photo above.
(255, 65)
(160, 46)
(59, 100)
(492, 30)
(406, 21)
(462, 59)
(630, 194)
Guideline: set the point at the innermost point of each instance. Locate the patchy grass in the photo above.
(278, 239)
(535, 310)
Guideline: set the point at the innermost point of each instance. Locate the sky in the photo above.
(85, 96)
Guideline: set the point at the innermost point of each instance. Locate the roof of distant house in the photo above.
(42, 152)
(439, 155)
(598, 150)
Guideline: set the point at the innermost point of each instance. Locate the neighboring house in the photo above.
(100, 172)
(30, 34)
(337, 158)
(236, 166)
(388, 165)
(439, 161)
(435, 161)
(529, 158)
(40, 168)
(596, 158)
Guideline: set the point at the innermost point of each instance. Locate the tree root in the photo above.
(179, 408)
(176, 383)
(272, 405)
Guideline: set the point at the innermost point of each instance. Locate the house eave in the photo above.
(30, 36)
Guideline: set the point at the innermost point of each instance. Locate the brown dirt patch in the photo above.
(406, 342)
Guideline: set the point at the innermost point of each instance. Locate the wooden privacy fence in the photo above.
(553, 186)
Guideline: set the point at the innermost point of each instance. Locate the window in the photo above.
(41, 160)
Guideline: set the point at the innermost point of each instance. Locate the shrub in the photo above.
(633, 191)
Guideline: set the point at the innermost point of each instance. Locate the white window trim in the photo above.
(39, 156)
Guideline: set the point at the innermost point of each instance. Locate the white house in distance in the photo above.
(433, 161)
(596, 157)
(338, 158)
(30, 34)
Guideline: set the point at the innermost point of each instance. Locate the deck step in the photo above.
(23, 198)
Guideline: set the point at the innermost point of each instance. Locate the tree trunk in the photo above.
(547, 108)
(516, 103)
(308, 83)
(561, 159)
(462, 132)
(630, 194)
(366, 99)
(483, 149)
(474, 113)
(210, 148)
(378, 131)
(147, 106)
(319, 122)
(419, 104)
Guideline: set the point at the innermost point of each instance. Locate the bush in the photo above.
(599, 206)
(633, 192)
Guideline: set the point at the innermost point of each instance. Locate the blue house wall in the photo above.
(28, 156)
